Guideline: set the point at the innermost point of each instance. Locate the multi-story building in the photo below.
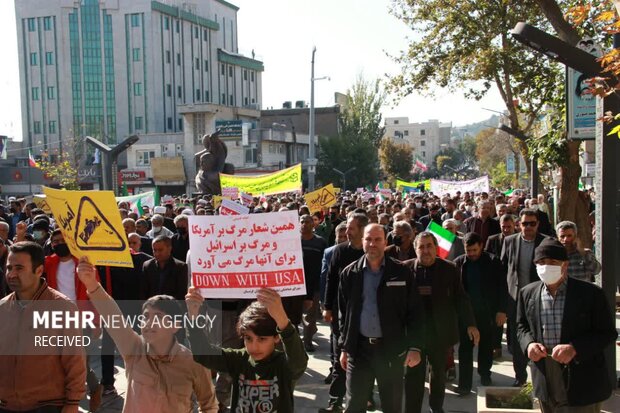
(426, 138)
(112, 68)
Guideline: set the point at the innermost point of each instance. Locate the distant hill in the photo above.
(459, 132)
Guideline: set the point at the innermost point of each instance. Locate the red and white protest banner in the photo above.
(230, 192)
(246, 199)
(234, 256)
(229, 207)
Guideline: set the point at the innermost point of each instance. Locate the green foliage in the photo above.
(522, 400)
(443, 160)
(64, 171)
(396, 159)
(499, 177)
(358, 140)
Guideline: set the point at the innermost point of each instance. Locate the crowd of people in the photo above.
(395, 308)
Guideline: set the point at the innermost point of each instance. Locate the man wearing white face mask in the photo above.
(564, 326)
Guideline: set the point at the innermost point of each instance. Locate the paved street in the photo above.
(311, 393)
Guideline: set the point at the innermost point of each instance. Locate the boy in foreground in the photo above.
(161, 373)
(263, 377)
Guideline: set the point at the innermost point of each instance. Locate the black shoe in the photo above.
(485, 380)
(519, 383)
(309, 348)
(462, 392)
(332, 408)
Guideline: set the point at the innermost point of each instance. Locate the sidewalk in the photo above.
(311, 393)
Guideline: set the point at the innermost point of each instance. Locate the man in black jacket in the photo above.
(564, 326)
(518, 258)
(163, 274)
(484, 280)
(343, 255)
(439, 285)
(494, 242)
(381, 324)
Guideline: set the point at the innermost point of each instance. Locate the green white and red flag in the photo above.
(444, 239)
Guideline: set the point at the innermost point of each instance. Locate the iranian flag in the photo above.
(444, 238)
(421, 165)
(31, 161)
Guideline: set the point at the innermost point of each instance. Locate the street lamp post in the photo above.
(344, 176)
(312, 161)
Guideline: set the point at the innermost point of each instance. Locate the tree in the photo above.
(450, 50)
(63, 169)
(396, 159)
(358, 140)
(492, 147)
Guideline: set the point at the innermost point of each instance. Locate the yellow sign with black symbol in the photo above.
(91, 225)
(321, 198)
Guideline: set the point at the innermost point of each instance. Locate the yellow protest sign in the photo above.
(91, 225)
(321, 198)
(217, 200)
(337, 190)
(286, 180)
(41, 203)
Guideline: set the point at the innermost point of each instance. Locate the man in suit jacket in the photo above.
(483, 224)
(564, 326)
(518, 258)
(484, 280)
(164, 274)
(439, 285)
(494, 242)
(381, 328)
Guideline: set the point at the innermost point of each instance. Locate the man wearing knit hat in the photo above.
(564, 326)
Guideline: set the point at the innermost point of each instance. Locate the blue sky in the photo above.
(352, 37)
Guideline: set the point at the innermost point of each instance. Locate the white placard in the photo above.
(229, 207)
(234, 256)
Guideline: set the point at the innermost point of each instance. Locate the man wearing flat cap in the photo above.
(564, 326)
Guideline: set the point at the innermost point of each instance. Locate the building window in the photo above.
(206, 96)
(181, 124)
(51, 93)
(169, 121)
(34, 60)
(206, 65)
(136, 54)
(166, 23)
(246, 101)
(138, 123)
(198, 94)
(422, 143)
(137, 89)
(223, 101)
(196, 32)
(406, 133)
(35, 93)
(422, 132)
(52, 126)
(178, 26)
(32, 25)
(396, 122)
(251, 76)
(167, 56)
(179, 92)
(37, 126)
(204, 35)
(272, 148)
(231, 100)
(197, 64)
(49, 58)
(168, 90)
(423, 154)
(143, 158)
(230, 71)
(223, 70)
(250, 155)
(178, 59)
(245, 74)
(47, 23)
(135, 20)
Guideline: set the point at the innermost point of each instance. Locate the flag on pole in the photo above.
(444, 239)
(33, 163)
(421, 165)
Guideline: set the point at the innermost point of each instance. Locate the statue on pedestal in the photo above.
(210, 162)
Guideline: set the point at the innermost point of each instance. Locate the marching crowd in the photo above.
(372, 271)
